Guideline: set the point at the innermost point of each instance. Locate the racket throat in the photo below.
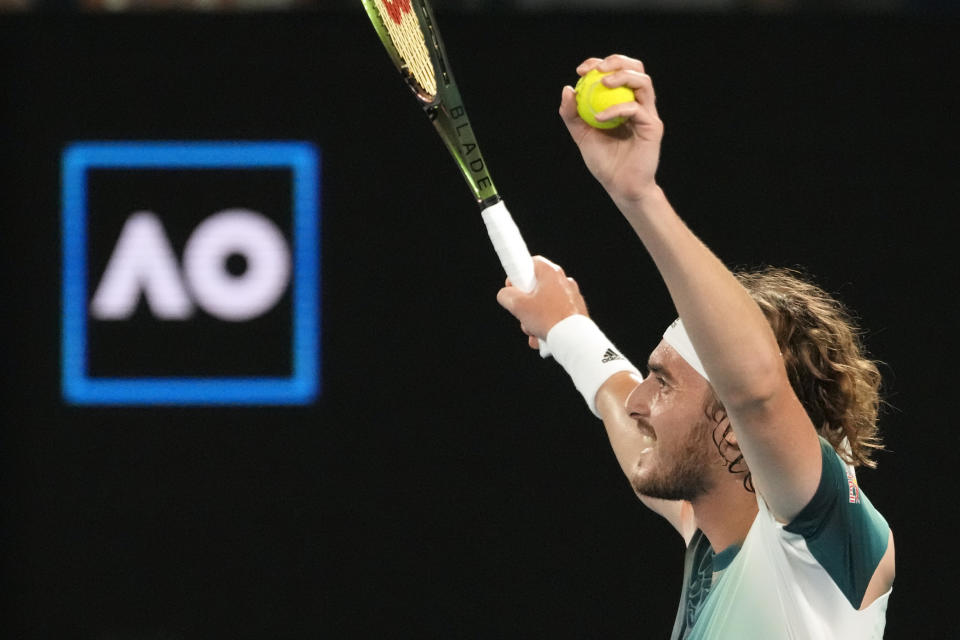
(489, 202)
(450, 120)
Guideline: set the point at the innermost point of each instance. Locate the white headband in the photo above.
(676, 336)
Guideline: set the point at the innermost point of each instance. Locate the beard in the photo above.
(685, 475)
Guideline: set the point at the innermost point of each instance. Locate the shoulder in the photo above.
(842, 529)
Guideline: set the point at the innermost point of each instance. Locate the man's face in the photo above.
(668, 408)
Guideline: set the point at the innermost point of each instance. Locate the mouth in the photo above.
(648, 437)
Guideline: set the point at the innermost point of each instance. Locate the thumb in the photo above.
(507, 297)
(568, 112)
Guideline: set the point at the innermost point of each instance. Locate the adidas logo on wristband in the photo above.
(610, 355)
(575, 343)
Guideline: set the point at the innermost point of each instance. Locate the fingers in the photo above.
(506, 299)
(588, 65)
(618, 61)
(640, 82)
(544, 267)
(614, 62)
(623, 72)
(642, 112)
(532, 340)
(541, 265)
(628, 111)
(555, 297)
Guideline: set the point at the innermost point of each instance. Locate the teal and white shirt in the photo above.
(802, 581)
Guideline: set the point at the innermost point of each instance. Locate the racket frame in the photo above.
(445, 109)
(449, 117)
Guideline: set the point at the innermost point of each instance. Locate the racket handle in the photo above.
(513, 253)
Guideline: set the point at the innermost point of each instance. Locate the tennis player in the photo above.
(758, 405)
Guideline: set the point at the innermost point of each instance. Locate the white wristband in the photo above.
(587, 355)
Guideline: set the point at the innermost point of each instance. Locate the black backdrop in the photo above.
(447, 482)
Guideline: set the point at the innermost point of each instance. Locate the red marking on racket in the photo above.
(396, 9)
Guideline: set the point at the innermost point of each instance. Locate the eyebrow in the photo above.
(658, 369)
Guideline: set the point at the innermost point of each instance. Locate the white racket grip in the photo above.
(513, 253)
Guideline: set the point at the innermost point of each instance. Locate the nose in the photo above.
(638, 402)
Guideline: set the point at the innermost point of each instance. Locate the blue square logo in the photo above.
(191, 273)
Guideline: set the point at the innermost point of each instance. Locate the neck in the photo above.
(726, 512)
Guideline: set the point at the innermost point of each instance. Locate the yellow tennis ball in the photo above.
(593, 97)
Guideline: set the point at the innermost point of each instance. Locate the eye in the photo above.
(657, 375)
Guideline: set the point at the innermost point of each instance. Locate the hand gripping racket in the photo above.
(409, 32)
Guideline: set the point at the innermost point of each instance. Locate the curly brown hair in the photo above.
(822, 347)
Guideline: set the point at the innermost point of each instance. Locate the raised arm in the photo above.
(728, 330)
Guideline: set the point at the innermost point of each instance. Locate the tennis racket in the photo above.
(409, 32)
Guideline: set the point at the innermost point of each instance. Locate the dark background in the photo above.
(447, 482)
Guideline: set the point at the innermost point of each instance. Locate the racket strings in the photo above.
(407, 37)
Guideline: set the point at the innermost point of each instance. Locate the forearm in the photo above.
(625, 438)
(628, 442)
(727, 328)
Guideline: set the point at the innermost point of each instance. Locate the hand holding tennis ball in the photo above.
(624, 160)
(593, 97)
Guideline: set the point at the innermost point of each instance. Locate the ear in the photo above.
(731, 438)
(723, 435)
